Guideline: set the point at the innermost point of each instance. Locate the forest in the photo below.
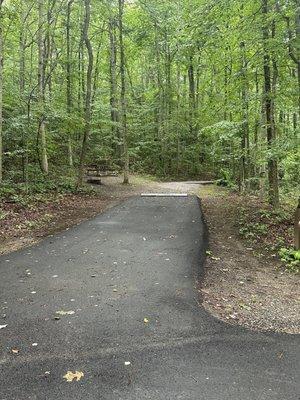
(205, 89)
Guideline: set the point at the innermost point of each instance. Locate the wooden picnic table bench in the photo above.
(95, 172)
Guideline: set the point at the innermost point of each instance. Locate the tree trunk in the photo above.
(81, 64)
(22, 46)
(113, 85)
(123, 95)
(69, 82)
(178, 119)
(159, 115)
(297, 22)
(295, 52)
(1, 89)
(41, 93)
(88, 95)
(244, 173)
(192, 95)
(269, 110)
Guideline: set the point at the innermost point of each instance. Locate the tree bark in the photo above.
(1, 90)
(244, 173)
(22, 47)
(159, 112)
(113, 84)
(269, 110)
(178, 119)
(295, 52)
(41, 91)
(192, 95)
(69, 80)
(88, 95)
(123, 95)
(81, 63)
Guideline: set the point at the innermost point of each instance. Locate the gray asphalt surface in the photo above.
(139, 260)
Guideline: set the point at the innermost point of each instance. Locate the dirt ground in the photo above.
(239, 287)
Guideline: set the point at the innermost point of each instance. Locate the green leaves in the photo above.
(195, 89)
(291, 259)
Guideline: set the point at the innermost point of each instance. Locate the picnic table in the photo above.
(95, 172)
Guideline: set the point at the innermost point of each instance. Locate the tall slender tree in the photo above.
(69, 79)
(269, 108)
(88, 94)
(113, 79)
(1, 89)
(123, 95)
(41, 89)
(22, 67)
(192, 93)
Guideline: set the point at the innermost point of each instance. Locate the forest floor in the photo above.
(245, 282)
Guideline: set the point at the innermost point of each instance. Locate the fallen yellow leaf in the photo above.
(65, 312)
(73, 376)
(146, 320)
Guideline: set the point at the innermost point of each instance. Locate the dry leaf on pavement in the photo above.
(65, 312)
(73, 376)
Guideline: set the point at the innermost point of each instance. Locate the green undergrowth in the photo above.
(40, 188)
(270, 230)
(291, 259)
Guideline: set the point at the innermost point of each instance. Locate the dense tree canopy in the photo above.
(189, 88)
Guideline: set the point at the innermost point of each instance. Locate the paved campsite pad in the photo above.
(119, 289)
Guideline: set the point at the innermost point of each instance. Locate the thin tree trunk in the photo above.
(113, 85)
(257, 125)
(225, 89)
(245, 126)
(1, 89)
(297, 52)
(294, 53)
(168, 73)
(41, 95)
(192, 95)
(81, 64)
(96, 72)
(198, 77)
(48, 54)
(269, 110)
(178, 117)
(123, 95)
(22, 46)
(160, 99)
(69, 81)
(88, 95)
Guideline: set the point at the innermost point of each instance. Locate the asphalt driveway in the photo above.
(114, 303)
